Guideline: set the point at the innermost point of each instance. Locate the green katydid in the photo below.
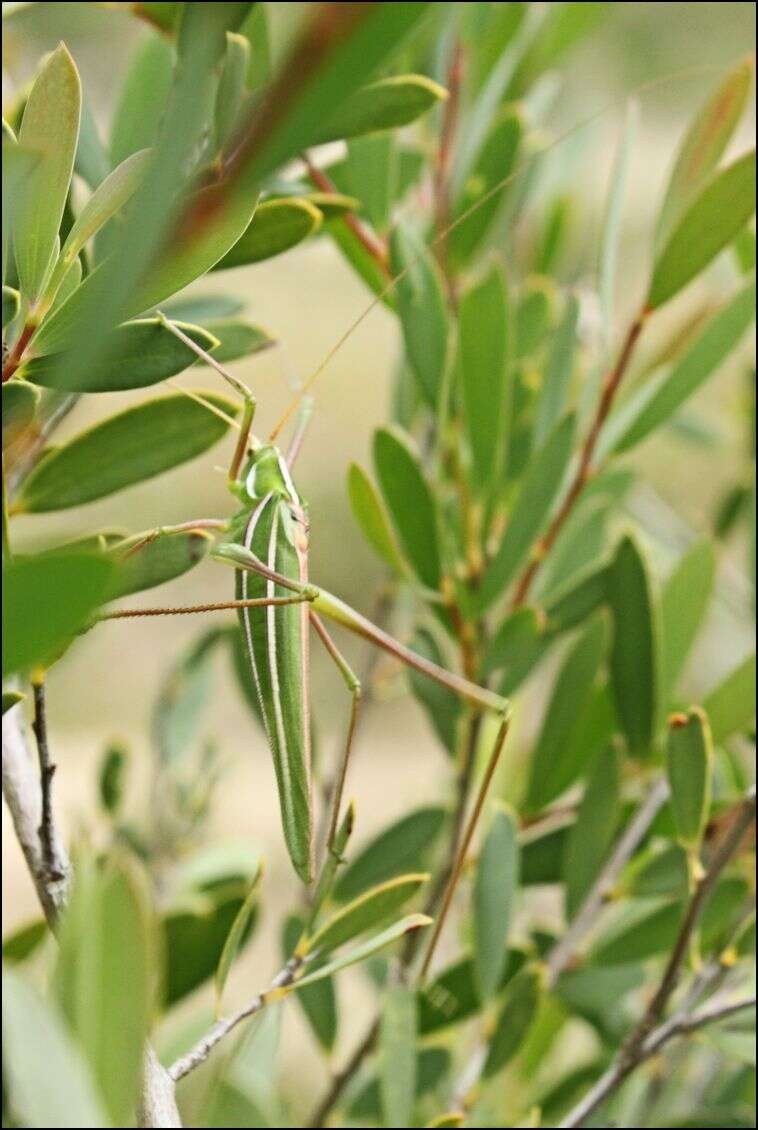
(267, 544)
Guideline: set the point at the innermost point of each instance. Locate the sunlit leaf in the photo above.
(385, 104)
(276, 226)
(363, 951)
(494, 895)
(143, 98)
(371, 516)
(409, 500)
(368, 910)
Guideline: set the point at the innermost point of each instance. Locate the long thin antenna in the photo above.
(663, 80)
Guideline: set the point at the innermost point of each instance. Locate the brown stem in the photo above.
(442, 169)
(377, 248)
(584, 470)
(56, 865)
(16, 354)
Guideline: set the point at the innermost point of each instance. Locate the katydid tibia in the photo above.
(267, 544)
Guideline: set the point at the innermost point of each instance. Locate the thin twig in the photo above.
(53, 857)
(376, 248)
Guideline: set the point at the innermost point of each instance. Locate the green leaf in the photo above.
(360, 952)
(371, 516)
(51, 126)
(689, 764)
(234, 939)
(731, 705)
(443, 707)
(557, 759)
(105, 970)
(591, 836)
(318, 1001)
(432, 1064)
(684, 604)
(577, 599)
(494, 894)
(11, 302)
(371, 172)
(19, 406)
(143, 98)
(236, 338)
(704, 144)
(91, 162)
(422, 309)
(407, 843)
(514, 1019)
(397, 1055)
(11, 699)
(635, 655)
(276, 226)
(232, 86)
(139, 353)
(386, 104)
(539, 489)
(483, 373)
(533, 317)
(48, 599)
(553, 397)
(409, 500)
(63, 1093)
(24, 940)
(611, 235)
(196, 929)
(364, 912)
(183, 697)
(518, 631)
(203, 308)
(362, 262)
(579, 547)
(157, 561)
(111, 778)
(453, 995)
(658, 399)
(128, 448)
(709, 224)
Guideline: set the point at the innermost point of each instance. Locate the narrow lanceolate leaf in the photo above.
(276, 226)
(514, 1019)
(48, 599)
(689, 764)
(11, 301)
(386, 104)
(660, 397)
(708, 224)
(234, 939)
(105, 970)
(590, 837)
(635, 654)
(371, 173)
(236, 338)
(365, 912)
(140, 353)
(50, 126)
(423, 312)
(361, 952)
(397, 1055)
(231, 86)
(495, 890)
(318, 1001)
(409, 500)
(609, 243)
(139, 108)
(538, 493)
(482, 332)
(371, 515)
(731, 705)
(134, 445)
(443, 707)
(19, 405)
(684, 605)
(577, 600)
(518, 631)
(405, 844)
(159, 560)
(704, 144)
(555, 388)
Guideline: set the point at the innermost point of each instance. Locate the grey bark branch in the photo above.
(23, 796)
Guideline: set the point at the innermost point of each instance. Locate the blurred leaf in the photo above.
(533, 316)
(577, 599)
(63, 1094)
(368, 910)
(563, 25)
(24, 940)
(106, 970)
(11, 300)
(232, 85)
(554, 236)
(142, 99)
(704, 145)
(318, 1001)
(276, 226)
(422, 310)
(611, 235)
(91, 161)
(591, 836)
(451, 1118)
(387, 103)
(709, 223)
(128, 448)
(555, 386)
(51, 126)
(48, 599)
(744, 249)
(255, 28)
(404, 844)
(453, 995)
(203, 308)
(689, 764)
(635, 655)
(239, 929)
(371, 170)
(542, 858)
(365, 265)
(514, 1019)
(557, 759)
(361, 952)
(432, 1064)
(537, 494)
(658, 399)
(519, 629)
(157, 561)
(482, 367)
(409, 500)
(397, 1055)
(19, 164)
(370, 514)
(579, 547)
(196, 929)
(19, 406)
(442, 706)
(111, 778)
(684, 605)
(494, 894)
(139, 353)
(183, 697)
(236, 338)
(658, 871)
(11, 699)
(731, 705)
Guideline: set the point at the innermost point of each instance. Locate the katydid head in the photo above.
(266, 472)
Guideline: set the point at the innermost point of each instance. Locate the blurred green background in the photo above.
(306, 298)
